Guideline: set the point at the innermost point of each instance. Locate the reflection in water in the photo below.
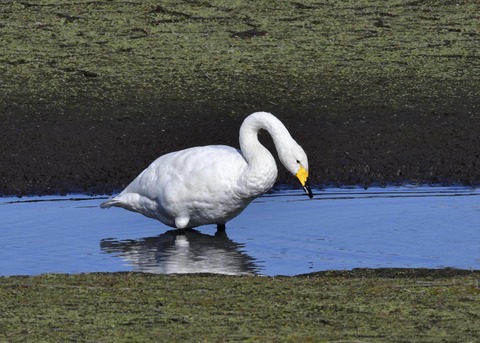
(183, 251)
(286, 234)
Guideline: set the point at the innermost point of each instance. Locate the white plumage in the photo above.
(213, 184)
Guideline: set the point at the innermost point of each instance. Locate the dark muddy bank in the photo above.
(375, 92)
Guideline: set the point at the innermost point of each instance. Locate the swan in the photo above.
(213, 184)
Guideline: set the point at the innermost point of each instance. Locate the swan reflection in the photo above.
(183, 251)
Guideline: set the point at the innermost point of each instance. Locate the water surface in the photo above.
(280, 233)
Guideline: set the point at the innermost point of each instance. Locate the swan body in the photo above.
(213, 184)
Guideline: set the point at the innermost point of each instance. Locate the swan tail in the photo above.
(132, 202)
(109, 203)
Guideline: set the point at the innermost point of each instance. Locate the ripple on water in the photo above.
(283, 232)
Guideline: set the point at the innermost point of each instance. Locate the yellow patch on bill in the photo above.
(302, 175)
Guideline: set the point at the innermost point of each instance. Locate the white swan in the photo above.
(213, 184)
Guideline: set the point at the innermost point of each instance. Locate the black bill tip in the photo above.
(307, 190)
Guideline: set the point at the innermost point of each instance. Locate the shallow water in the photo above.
(280, 233)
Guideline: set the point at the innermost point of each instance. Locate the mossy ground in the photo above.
(331, 55)
(363, 305)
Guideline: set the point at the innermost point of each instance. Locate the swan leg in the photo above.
(221, 232)
(181, 222)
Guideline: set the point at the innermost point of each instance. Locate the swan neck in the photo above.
(249, 143)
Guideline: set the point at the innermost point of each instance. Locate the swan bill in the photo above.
(302, 176)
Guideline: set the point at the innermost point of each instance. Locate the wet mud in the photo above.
(376, 93)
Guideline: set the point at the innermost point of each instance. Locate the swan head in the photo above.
(296, 162)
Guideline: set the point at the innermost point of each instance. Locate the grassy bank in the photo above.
(331, 56)
(363, 305)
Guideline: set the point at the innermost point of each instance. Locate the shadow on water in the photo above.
(183, 251)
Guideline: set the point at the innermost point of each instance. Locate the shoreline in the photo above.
(357, 272)
(401, 307)
(317, 189)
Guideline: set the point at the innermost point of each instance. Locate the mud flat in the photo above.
(376, 92)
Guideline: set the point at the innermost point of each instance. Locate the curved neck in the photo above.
(261, 163)
(249, 143)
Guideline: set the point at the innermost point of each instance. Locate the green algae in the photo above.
(362, 305)
(324, 54)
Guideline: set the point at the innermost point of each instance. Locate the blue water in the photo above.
(280, 233)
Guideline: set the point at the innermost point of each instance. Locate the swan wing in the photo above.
(199, 182)
(190, 171)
